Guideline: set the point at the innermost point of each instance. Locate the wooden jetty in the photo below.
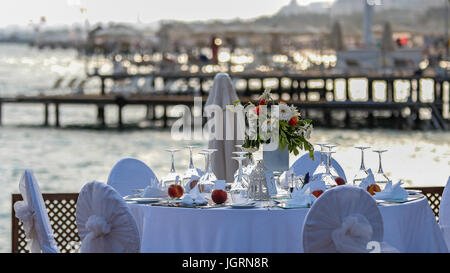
(294, 89)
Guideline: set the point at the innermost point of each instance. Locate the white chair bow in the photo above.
(33, 214)
(444, 213)
(305, 164)
(343, 219)
(129, 174)
(105, 223)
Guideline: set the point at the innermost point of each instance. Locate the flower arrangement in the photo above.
(293, 131)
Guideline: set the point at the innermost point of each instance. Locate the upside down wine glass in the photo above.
(322, 166)
(206, 182)
(191, 170)
(380, 177)
(362, 172)
(239, 191)
(333, 171)
(172, 177)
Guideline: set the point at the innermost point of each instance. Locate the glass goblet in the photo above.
(380, 177)
(362, 172)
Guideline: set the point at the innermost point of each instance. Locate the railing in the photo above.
(61, 208)
(62, 214)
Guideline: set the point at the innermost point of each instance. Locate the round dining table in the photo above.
(408, 227)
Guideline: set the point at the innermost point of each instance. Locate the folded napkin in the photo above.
(353, 234)
(301, 198)
(154, 190)
(194, 197)
(392, 192)
(369, 180)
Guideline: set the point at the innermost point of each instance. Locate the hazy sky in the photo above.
(58, 12)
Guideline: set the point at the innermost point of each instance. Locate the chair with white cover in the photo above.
(33, 214)
(130, 174)
(444, 213)
(344, 219)
(305, 164)
(104, 221)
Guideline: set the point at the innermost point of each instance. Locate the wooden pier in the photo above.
(311, 93)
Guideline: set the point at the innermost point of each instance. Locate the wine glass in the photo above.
(172, 177)
(362, 172)
(281, 191)
(191, 170)
(380, 177)
(206, 182)
(251, 163)
(239, 191)
(327, 177)
(245, 173)
(333, 171)
(321, 168)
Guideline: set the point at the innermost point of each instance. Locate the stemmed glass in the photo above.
(322, 166)
(206, 182)
(239, 191)
(172, 177)
(362, 172)
(191, 170)
(380, 177)
(327, 177)
(251, 162)
(333, 171)
(281, 191)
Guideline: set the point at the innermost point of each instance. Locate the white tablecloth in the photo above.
(409, 227)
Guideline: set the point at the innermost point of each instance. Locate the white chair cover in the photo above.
(343, 219)
(130, 174)
(105, 223)
(33, 214)
(444, 213)
(222, 94)
(305, 164)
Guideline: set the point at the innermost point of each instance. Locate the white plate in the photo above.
(243, 206)
(141, 200)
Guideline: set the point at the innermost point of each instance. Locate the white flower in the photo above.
(265, 95)
(308, 131)
(285, 112)
(295, 111)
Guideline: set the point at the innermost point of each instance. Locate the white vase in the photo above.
(277, 160)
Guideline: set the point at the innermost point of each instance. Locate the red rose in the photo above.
(293, 121)
(262, 102)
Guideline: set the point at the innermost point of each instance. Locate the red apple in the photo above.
(293, 121)
(175, 191)
(373, 188)
(219, 196)
(317, 193)
(340, 181)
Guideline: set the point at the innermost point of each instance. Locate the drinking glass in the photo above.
(245, 173)
(380, 177)
(239, 191)
(362, 172)
(191, 170)
(333, 171)
(206, 182)
(172, 177)
(327, 177)
(321, 168)
(281, 191)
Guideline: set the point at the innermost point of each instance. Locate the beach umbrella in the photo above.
(387, 44)
(337, 40)
(222, 94)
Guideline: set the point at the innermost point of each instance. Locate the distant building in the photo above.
(295, 9)
(341, 7)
